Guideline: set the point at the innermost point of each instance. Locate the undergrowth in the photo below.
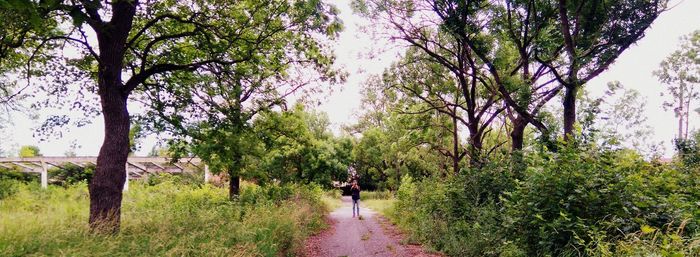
(166, 219)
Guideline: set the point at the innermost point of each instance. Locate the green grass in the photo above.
(332, 199)
(365, 237)
(163, 220)
(383, 206)
(376, 195)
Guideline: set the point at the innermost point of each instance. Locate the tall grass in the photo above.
(165, 219)
(378, 195)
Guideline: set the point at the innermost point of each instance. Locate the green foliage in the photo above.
(574, 202)
(7, 188)
(18, 175)
(70, 174)
(29, 151)
(583, 201)
(186, 178)
(376, 195)
(299, 147)
(10, 179)
(688, 150)
(165, 219)
(444, 215)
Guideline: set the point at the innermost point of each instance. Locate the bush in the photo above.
(575, 202)
(7, 188)
(334, 193)
(568, 203)
(445, 215)
(185, 178)
(70, 174)
(10, 180)
(18, 175)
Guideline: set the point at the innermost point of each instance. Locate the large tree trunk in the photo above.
(476, 146)
(569, 111)
(107, 183)
(517, 141)
(517, 135)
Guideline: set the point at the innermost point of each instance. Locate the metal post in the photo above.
(126, 181)
(207, 175)
(44, 175)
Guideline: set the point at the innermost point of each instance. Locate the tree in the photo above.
(420, 25)
(520, 29)
(29, 151)
(298, 147)
(681, 72)
(613, 121)
(282, 52)
(127, 46)
(426, 91)
(589, 35)
(398, 137)
(622, 123)
(71, 152)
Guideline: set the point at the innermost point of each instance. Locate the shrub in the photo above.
(445, 216)
(10, 180)
(7, 188)
(17, 175)
(334, 193)
(569, 203)
(184, 178)
(575, 202)
(70, 174)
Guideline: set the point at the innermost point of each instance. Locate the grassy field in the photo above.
(167, 219)
(383, 206)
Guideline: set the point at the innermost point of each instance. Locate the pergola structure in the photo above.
(136, 167)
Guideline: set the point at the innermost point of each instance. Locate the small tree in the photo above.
(680, 71)
(29, 151)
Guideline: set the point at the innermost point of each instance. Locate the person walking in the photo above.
(355, 190)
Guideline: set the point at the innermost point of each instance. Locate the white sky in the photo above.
(634, 69)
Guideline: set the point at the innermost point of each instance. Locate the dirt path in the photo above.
(370, 236)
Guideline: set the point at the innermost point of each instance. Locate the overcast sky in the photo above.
(634, 69)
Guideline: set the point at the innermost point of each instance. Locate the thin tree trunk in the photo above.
(476, 145)
(686, 112)
(234, 187)
(569, 111)
(456, 156)
(681, 113)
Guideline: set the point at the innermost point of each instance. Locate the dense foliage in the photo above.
(571, 203)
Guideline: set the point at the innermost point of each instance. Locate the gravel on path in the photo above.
(354, 237)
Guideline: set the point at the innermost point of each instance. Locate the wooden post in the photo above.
(207, 175)
(44, 175)
(126, 181)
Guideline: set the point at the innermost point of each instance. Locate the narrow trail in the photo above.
(370, 236)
